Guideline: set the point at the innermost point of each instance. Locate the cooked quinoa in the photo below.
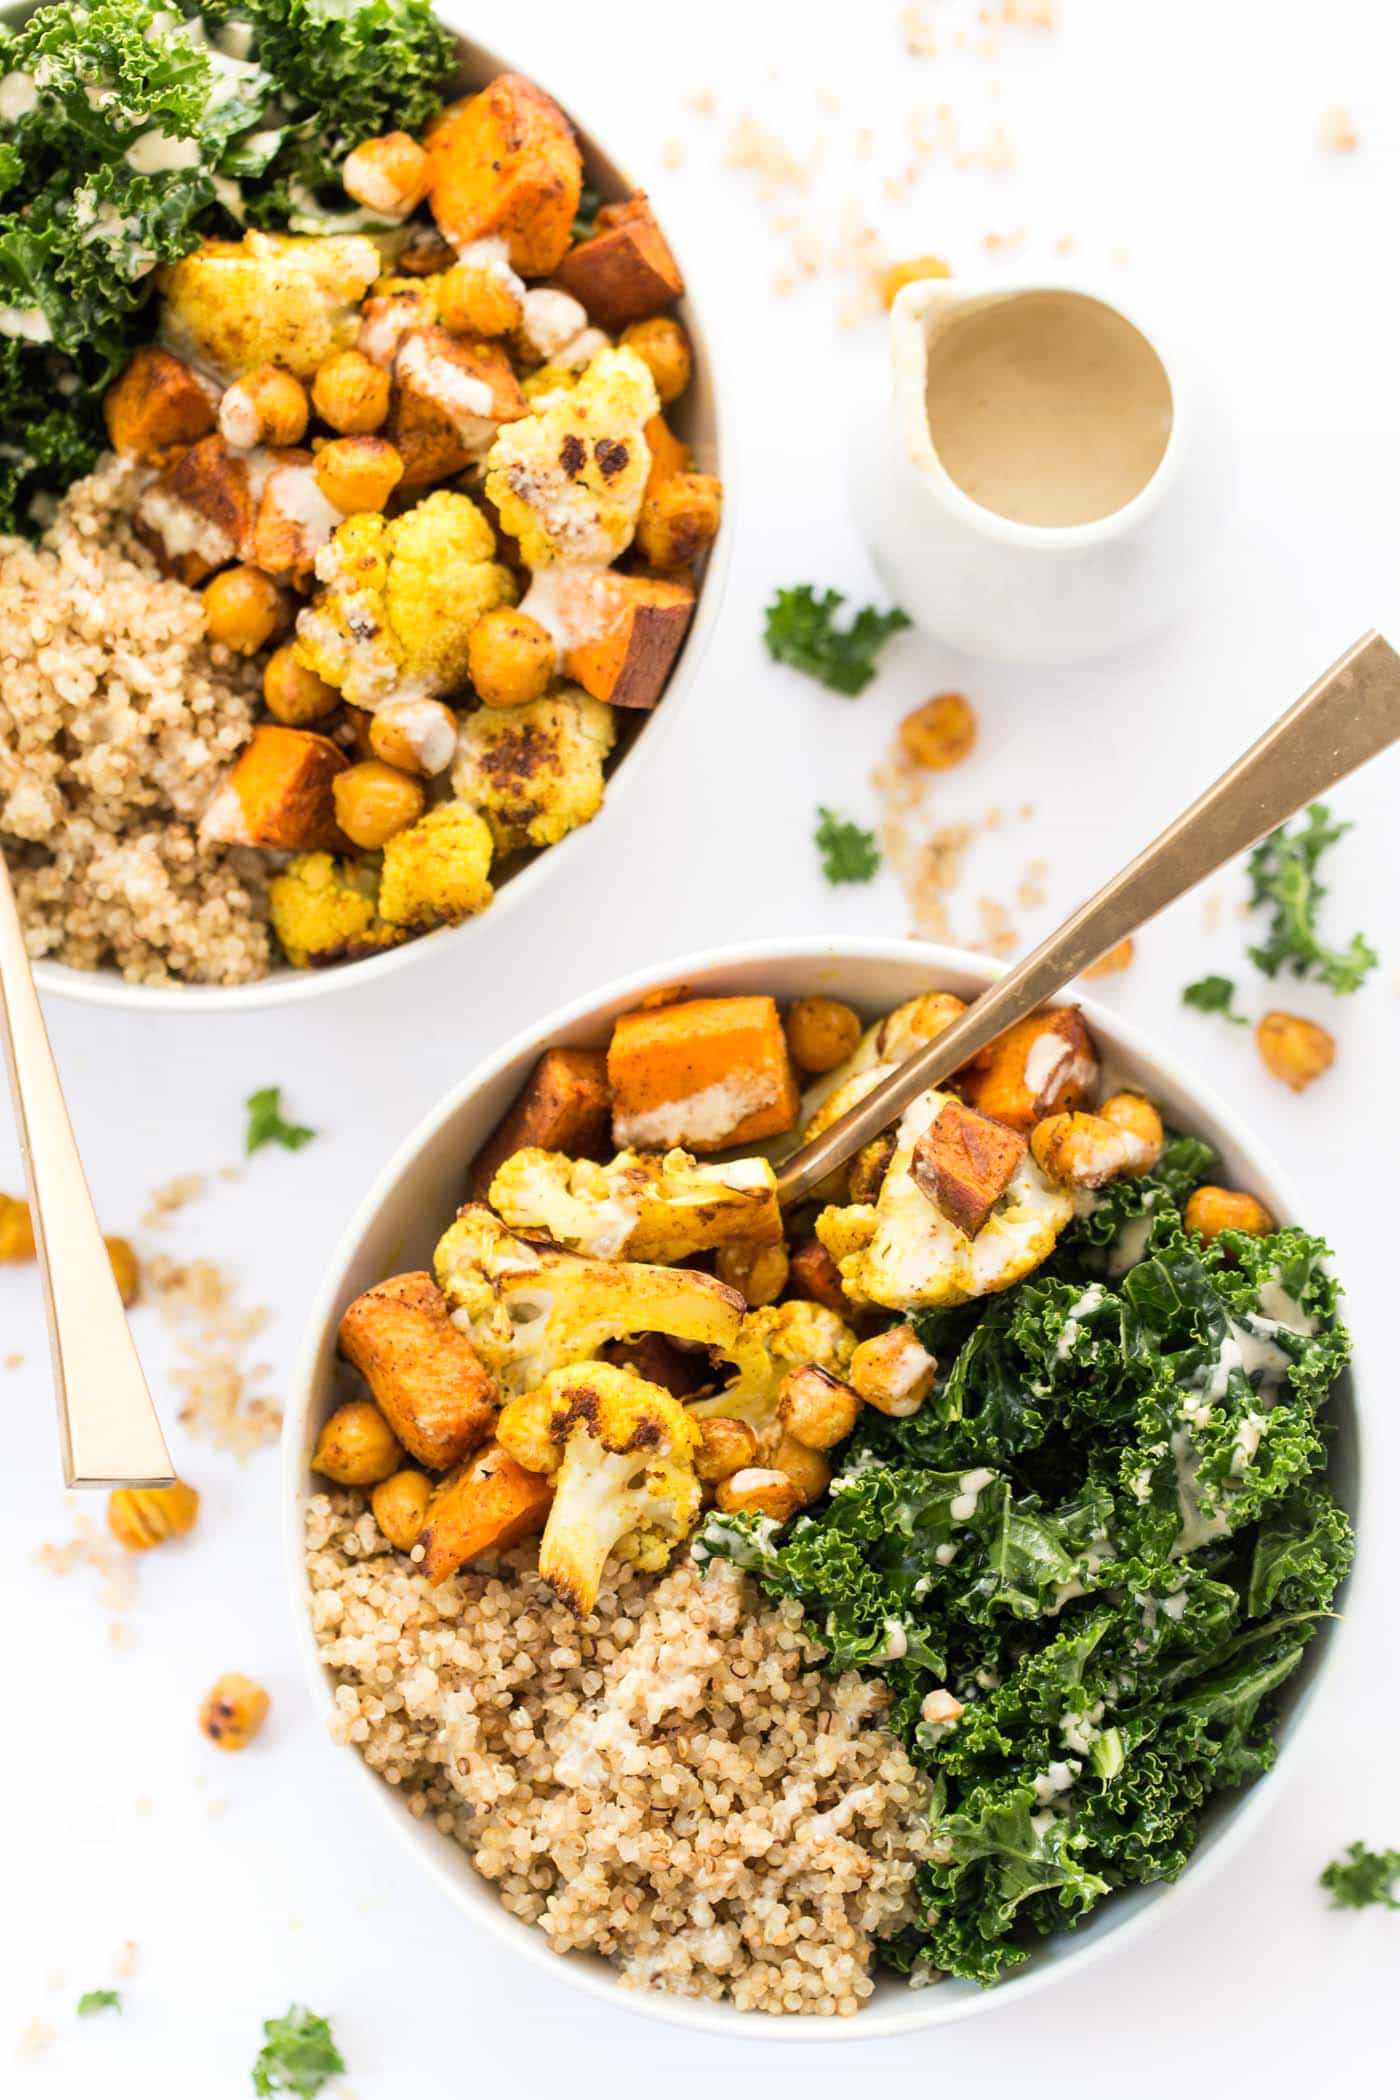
(671, 1782)
(116, 719)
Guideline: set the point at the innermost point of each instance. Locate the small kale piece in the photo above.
(585, 218)
(298, 2056)
(1361, 1877)
(1214, 995)
(800, 629)
(98, 2001)
(1283, 872)
(266, 1125)
(848, 853)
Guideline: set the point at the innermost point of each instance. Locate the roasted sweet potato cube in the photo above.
(430, 1383)
(963, 1162)
(564, 1106)
(279, 794)
(706, 1074)
(199, 513)
(813, 1274)
(157, 403)
(641, 624)
(491, 1504)
(506, 162)
(293, 520)
(1044, 1064)
(625, 271)
(451, 394)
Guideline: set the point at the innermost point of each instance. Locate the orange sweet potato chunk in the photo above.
(492, 1503)
(155, 404)
(1045, 1064)
(423, 1372)
(642, 625)
(963, 1162)
(279, 794)
(706, 1074)
(426, 426)
(506, 162)
(198, 515)
(564, 1106)
(625, 271)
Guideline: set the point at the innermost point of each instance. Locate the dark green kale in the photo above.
(1283, 875)
(800, 629)
(848, 854)
(267, 1125)
(1214, 995)
(1361, 1877)
(298, 2055)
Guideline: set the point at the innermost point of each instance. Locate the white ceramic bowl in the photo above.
(414, 1199)
(705, 427)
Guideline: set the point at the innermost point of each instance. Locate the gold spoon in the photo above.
(107, 1424)
(1349, 715)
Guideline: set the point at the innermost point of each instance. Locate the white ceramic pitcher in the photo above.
(1021, 593)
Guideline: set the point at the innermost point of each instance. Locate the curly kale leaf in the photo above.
(1362, 1877)
(1283, 876)
(1183, 1166)
(800, 629)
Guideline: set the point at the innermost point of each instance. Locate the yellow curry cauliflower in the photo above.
(271, 298)
(652, 1206)
(323, 910)
(773, 1340)
(436, 870)
(568, 481)
(621, 1453)
(402, 597)
(535, 772)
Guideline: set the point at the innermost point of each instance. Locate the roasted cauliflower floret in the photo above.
(323, 909)
(568, 481)
(773, 1340)
(271, 298)
(903, 1252)
(401, 599)
(535, 772)
(651, 1206)
(529, 1309)
(622, 1456)
(436, 870)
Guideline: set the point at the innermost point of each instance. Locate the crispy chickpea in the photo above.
(726, 1447)
(139, 1518)
(400, 1506)
(664, 348)
(351, 393)
(243, 609)
(267, 406)
(358, 473)
(1116, 959)
(233, 1711)
(356, 1446)
(417, 736)
(1211, 1210)
(816, 1408)
(1137, 1118)
(388, 175)
(1296, 1050)
(1085, 1151)
(510, 658)
(125, 1267)
(16, 1230)
(918, 270)
(293, 694)
(869, 1168)
(941, 732)
(893, 1371)
(373, 802)
(821, 1033)
(910, 1026)
(679, 519)
(473, 301)
(762, 1489)
(759, 1273)
(806, 1469)
(359, 720)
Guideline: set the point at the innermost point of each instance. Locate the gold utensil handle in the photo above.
(107, 1424)
(1349, 715)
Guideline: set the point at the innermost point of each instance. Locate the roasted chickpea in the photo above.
(1116, 959)
(374, 802)
(918, 270)
(1084, 1151)
(295, 695)
(351, 393)
(915, 1023)
(726, 1447)
(1137, 1118)
(893, 1371)
(16, 1230)
(400, 1506)
(233, 1711)
(940, 1707)
(510, 658)
(679, 519)
(759, 1273)
(475, 301)
(267, 406)
(806, 1469)
(356, 1446)
(359, 721)
(139, 1518)
(813, 1274)
(125, 1267)
(388, 175)
(1211, 1210)
(821, 1033)
(358, 473)
(664, 348)
(762, 1489)
(1296, 1050)
(243, 609)
(417, 736)
(941, 732)
(869, 1168)
(816, 1408)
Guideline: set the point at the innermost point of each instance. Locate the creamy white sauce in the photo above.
(430, 734)
(30, 324)
(1197, 1528)
(571, 601)
(1130, 1242)
(155, 153)
(1057, 1778)
(19, 94)
(709, 1116)
(895, 1645)
(294, 493)
(492, 257)
(550, 320)
(239, 421)
(181, 529)
(963, 1507)
(467, 401)
(1080, 1309)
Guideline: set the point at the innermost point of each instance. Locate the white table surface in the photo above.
(1177, 143)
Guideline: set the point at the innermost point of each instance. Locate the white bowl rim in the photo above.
(287, 986)
(923, 2009)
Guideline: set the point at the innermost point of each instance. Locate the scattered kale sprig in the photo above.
(1214, 995)
(848, 853)
(800, 629)
(98, 2001)
(1283, 875)
(297, 2056)
(267, 1125)
(1362, 1877)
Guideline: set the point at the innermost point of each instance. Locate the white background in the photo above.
(1176, 142)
